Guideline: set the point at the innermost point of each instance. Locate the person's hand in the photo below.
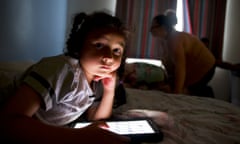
(97, 133)
(108, 81)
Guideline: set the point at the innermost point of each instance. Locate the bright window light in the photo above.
(155, 62)
(179, 12)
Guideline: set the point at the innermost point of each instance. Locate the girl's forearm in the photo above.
(104, 109)
(23, 129)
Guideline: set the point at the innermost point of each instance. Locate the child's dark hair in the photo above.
(83, 24)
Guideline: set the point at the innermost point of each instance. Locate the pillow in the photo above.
(10, 72)
(15, 66)
(7, 77)
(149, 73)
(144, 75)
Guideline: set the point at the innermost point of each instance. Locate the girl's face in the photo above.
(157, 30)
(102, 53)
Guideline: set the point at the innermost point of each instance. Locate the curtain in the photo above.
(205, 18)
(138, 15)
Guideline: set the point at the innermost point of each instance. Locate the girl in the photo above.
(57, 90)
(190, 65)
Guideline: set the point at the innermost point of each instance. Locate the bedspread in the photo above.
(185, 119)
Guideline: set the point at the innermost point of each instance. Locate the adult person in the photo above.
(190, 65)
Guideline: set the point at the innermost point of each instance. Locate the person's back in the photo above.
(190, 65)
(199, 59)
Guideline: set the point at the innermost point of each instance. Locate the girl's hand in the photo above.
(103, 110)
(97, 134)
(108, 81)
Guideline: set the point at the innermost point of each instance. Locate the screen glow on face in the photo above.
(125, 127)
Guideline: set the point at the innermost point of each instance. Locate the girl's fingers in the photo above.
(97, 78)
(101, 124)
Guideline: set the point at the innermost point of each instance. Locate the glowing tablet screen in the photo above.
(126, 127)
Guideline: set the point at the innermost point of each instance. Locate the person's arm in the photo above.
(17, 124)
(103, 110)
(180, 66)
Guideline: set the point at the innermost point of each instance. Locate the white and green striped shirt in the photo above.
(63, 87)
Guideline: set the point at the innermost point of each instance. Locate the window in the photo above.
(179, 13)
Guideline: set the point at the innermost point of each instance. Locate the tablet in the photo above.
(142, 130)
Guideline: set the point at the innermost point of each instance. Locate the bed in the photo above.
(183, 119)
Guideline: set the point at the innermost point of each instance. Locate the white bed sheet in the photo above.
(185, 119)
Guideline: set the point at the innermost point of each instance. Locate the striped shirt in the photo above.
(63, 87)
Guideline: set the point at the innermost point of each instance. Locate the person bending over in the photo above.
(190, 65)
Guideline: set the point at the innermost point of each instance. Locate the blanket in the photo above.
(184, 119)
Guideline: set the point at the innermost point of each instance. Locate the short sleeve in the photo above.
(48, 77)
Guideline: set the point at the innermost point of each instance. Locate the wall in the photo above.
(232, 46)
(232, 32)
(88, 6)
(222, 82)
(32, 29)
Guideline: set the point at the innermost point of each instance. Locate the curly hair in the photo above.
(84, 24)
